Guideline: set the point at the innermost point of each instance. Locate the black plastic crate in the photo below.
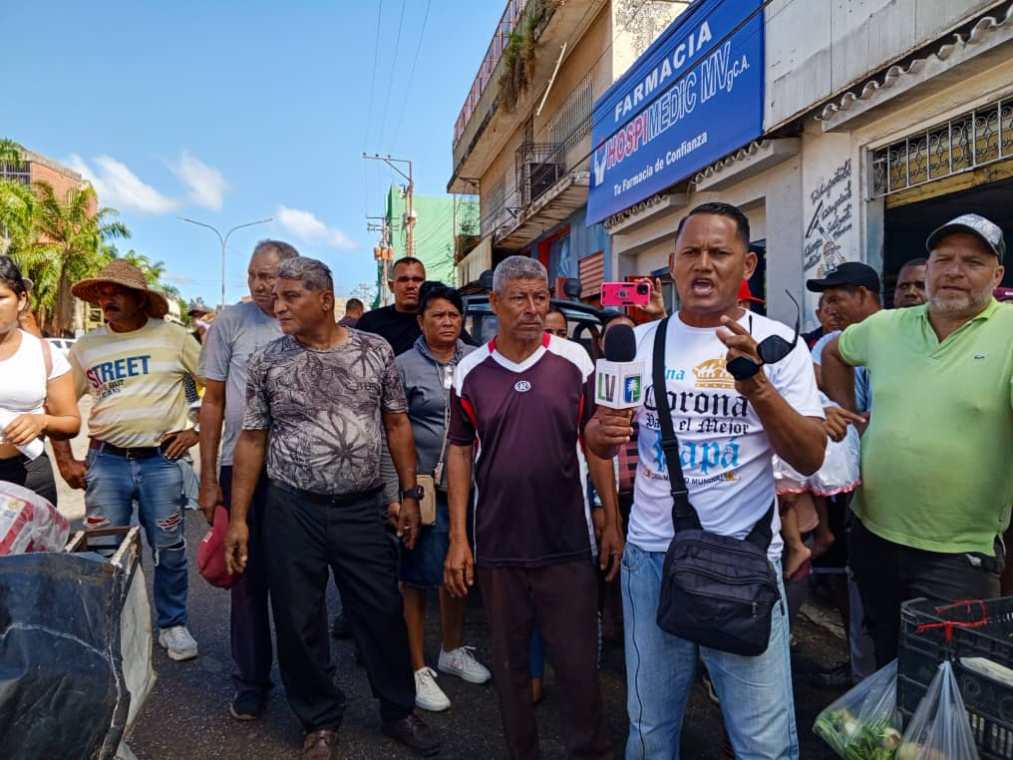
(932, 632)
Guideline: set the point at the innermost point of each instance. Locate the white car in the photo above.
(61, 344)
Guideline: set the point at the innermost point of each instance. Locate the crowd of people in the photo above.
(388, 452)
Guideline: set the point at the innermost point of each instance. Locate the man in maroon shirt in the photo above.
(518, 406)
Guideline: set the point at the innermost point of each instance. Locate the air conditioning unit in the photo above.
(541, 177)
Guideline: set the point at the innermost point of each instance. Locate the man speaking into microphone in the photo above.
(738, 388)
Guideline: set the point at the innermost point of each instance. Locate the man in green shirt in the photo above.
(937, 479)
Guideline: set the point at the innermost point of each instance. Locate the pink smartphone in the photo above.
(625, 293)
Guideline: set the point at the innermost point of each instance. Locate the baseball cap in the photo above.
(976, 224)
(745, 294)
(848, 273)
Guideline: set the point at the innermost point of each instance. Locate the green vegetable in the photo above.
(853, 740)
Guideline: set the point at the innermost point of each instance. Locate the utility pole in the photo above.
(224, 241)
(383, 253)
(409, 221)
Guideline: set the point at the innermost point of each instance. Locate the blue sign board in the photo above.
(694, 96)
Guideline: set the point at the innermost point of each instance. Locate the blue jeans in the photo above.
(422, 567)
(755, 692)
(537, 653)
(113, 484)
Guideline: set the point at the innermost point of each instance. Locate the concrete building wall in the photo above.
(844, 41)
(434, 231)
(771, 201)
(635, 25)
(842, 221)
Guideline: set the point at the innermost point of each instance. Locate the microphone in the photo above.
(619, 379)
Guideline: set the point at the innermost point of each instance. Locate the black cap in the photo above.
(988, 231)
(848, 273)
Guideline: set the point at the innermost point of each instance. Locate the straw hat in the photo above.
(125, 274)
(198, 308)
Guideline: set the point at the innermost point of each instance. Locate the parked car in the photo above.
(586, 322)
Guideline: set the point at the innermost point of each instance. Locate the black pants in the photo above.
(563, 600)
(35, 475)
(889, 574)
(249, 618)
(307, 535)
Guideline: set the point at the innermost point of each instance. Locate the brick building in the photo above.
(34, 168)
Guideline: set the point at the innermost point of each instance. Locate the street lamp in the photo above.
(225, 240)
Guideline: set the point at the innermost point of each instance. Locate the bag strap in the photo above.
(438, 472)
(47, 357)
(683, 514)
(763, 531)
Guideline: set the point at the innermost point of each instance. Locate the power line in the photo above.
(393, 69)
(369, 113)
(411, 76)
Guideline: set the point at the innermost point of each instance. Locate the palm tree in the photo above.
(71, 243)
(153, 270)
(18, 210)
(10, 151)
(16, 201)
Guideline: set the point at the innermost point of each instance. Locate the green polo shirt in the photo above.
(937, 457)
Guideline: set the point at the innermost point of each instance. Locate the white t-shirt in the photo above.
(23, 390)
(725, 453)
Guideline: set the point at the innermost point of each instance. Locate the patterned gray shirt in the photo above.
(324, 411)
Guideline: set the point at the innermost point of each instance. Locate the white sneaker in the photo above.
(461, 662)
(178, 643)
(429, 696)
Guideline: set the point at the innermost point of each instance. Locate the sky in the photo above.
(229, 112)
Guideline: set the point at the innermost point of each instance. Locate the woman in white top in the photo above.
(36, 388)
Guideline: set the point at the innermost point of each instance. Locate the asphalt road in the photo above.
(186, 714)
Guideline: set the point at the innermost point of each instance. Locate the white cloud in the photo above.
(308, 228)
(206, 184)
(119, 187)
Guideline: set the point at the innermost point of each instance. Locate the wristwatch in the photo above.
(413, 493)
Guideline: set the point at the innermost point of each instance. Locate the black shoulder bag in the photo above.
(717, 591)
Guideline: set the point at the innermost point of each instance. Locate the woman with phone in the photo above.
(427, 371)
(37, 396)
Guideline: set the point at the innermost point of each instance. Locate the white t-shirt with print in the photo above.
(725, 453)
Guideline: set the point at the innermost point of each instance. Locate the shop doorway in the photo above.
(908, 225)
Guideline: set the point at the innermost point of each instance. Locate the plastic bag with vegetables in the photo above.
(939, 729)
(864, 724)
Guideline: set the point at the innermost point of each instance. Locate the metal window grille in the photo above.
(492, 207)
(966, 142)
(19, 172)
(539, 166)
(500, 40)
(573, 120)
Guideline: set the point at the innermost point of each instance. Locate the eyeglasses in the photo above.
(560, 333)
(771, 349)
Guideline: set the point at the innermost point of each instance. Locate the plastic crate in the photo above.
(931, 632)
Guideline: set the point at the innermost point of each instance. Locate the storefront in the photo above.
(907, 150)
(685, 126)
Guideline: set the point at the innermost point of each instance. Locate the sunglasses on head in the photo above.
(771, 349)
